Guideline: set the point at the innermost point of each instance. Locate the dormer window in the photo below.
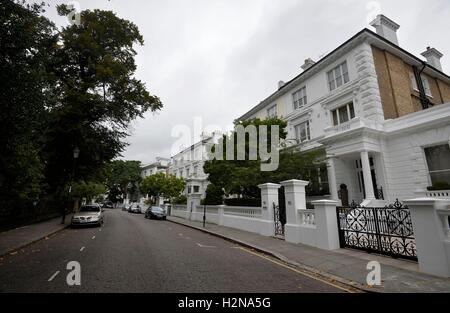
(338, 76)
(299, 98)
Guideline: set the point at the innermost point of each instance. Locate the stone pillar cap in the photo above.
(295, 182)
(269, 185)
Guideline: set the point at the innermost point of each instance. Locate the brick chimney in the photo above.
(386, 28)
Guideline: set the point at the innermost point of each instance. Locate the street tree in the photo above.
(242, 177)
(26, 42)
(87, 190)
(96, 95)
(120, 174)
(162, 185)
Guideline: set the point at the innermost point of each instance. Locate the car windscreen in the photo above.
(157, 209)
(89, 209)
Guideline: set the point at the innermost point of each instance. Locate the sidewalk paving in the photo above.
(18, 238)
(345, 265)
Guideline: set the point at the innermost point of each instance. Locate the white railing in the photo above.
(179, 207)
(440, 194)
(352, 124)
(242, 211)
(307, 217)
(210, 209)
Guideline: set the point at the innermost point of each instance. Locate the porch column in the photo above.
(269, 197)
(368, 185)
(332, 182)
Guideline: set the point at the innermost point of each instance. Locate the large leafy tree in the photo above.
(26, 42)
(242, 177)
(96, 95)
(162, 185)
(120, 174)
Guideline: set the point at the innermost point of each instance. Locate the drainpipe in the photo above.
(423, 97)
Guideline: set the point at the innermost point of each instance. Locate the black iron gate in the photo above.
(279, 213)
(385, 230)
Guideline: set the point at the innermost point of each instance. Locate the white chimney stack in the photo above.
(280, 84)
(433, 57)
(308, 63)
(386, 28)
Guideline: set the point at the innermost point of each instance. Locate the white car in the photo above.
(136, 208)
(88, 215)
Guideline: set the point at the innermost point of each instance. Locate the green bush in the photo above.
(181, 199)
(214, 195)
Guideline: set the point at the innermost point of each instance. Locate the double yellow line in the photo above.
(296, 270)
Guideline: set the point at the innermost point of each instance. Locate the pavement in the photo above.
(20, 237)
(132, 254)
(346, 266)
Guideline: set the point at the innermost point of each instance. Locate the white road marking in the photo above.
(82, 248)
(93, 237)
(53, 276)
(203, 246)
(100, 229)
(187, 238)
(181, 235)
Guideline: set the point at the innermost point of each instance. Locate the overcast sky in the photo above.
(215, 59)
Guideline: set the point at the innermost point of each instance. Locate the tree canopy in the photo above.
(119, 174)
(61, 89)
(242, 177)
(162, 185)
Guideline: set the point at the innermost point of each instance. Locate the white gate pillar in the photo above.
(269, 197)
(327, 233)
(192, 202)
(431, 231)
(294, 191)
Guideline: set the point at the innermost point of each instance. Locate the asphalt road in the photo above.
(133, 254)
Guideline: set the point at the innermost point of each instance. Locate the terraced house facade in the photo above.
(381, 114)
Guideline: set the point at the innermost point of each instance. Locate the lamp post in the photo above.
(76, 154)
(204, 211)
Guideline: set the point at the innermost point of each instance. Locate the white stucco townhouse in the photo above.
(380, 113)
(188, 164)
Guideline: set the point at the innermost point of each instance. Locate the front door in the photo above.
(343, 194)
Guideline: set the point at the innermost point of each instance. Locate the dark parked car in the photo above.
(108, 205)
(155, 212)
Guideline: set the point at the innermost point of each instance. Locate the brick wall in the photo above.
(397, 95)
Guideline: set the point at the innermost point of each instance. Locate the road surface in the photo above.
(133, 254)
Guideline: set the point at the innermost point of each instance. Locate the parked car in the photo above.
(108, 205)
(155, 212)
(88, 215)
(135, 208)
